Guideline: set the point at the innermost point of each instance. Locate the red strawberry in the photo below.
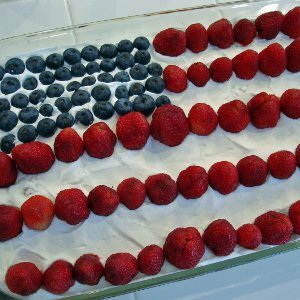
(88, 269)
(37, 212)
(223, 177)
(9, 173)
(170, 42)
(291, 23)
(23, 278)
(268, 24)
(151, 260)
(161, 189)
(272, 60)
(192, 182)
(282, 164)
(297, 154)
(294, 215)
(221, 69)
(184, 247)
(196, 38)
(244, 32)
(175, 79)
(33, 158)
(103, 200)
(198, 74)
(202, 118)
(11, 222)
(220, 237)
(59, 277)
(292, 52)
(120, 268)
(245, 64)
(264, 110)
(71, 206)
(233, 116)
(131, 192)
(275, 227)
(249, 236)
(133, 130)
(169, 125)
(220, 34)
(68, 145)
(253, 171)
(290, 103)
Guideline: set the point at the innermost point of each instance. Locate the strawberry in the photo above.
(249, 236)
(175, 79)
(244, 32)
(169, 125)
(221, 69)
(291, 23)
(33, 158)
(198, 74)
(9, 173)
(290, 103)
(11, 222)
(151, 260)
(196, 38)
(220, 34)
(294, 215)
(292, 52)
(297, 154)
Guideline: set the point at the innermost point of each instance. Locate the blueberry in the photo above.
(138, 72)
(141, 43)
(30, 83)
(63, 104)
(4, 104)
(122, 76)
(14, 66)
(46, 78)
(80, 97)
(7, 143)
(27, 133)
(46, 127)
(46, 110)
(78, 70)
(155, 69)
(123, 106)
(65, 120)
(107, 65)
(88, 81)
(54, 90)
(19, 100)
(8, 120)
(92, 67)
(161, 100)
(73, 86)
(28, 115)
(9, 85)
(105, 77)
(142, 57)
(101, 92)
(37, 96)
(2, 72)
(124, 60)
(54, 61)
(122, 92)
(103, 110)
(144, 104)
(35, 64)
(90, 53)
(72, 56)
(85, 117)
(155, 85)
(125, 46)
(63, 74)
(108, 51)
(136, 89)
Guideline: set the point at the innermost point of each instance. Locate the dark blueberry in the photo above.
(155, 85)
(125, 46)
(65, 120)
(73, 86)
(122, 76)
(144, 104)
(92, 67)
(108, 51)
(142, 57)
(122, 92)
(103, 110)
(4, 104)
(54, 61)
(80, 97)
(88, 81)
(78, 70)
(63, 104)
(35, 64)
(124, 60)
(161, 100)
(72, 56)
(28, 115)
(107, 65)
(105, 77)
(155, 69)
(46, 78)
(90, 53)
(14, 66)
(101, 92)
(123, 106)
(27, 133)
(9, 85)
(46, 127)
(8, 120)
(37, 96)
(85, 117)
(46, 110)
(30, 83)
(55, 90)
(19, 100)
(63, 74)
(2, 72)
(7, 143)
(138, 72)
(136, 89)
(141, 43)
